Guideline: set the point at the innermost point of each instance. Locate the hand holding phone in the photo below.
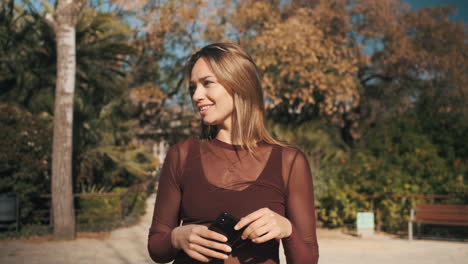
(198, 244)
(224, 225)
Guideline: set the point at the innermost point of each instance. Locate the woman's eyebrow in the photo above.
(203, 78)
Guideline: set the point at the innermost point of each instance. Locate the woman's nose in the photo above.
(198, 93)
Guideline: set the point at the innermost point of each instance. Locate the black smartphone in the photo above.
(224, 225)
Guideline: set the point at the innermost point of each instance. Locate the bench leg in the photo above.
(17, 213)
(410, 230)
(410, 225)
(419, 230)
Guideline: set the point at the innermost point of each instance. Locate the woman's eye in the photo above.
(207, 83)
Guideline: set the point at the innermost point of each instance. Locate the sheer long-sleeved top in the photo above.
(200, 179)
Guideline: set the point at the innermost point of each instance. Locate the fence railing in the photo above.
(118, 212)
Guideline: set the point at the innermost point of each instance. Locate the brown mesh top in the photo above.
(202, 178)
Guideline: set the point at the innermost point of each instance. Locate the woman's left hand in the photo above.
(264, 225)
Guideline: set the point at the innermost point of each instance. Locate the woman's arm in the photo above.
(166, 210)
(301, 246)
(166, 237)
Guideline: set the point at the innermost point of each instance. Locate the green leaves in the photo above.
(25, 156)
(395, 158)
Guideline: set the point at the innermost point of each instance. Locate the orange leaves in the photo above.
(251, 15)
(129, 5)
(316, 54)
(299, 59)
(420, 44)
(149, 97)
(148, 92)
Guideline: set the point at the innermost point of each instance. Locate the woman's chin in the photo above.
(209, 122)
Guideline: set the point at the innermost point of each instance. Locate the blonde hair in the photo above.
(237, 72)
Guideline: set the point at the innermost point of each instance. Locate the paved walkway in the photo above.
(128, 245)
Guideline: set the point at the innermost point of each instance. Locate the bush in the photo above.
(27, 231)
(97, 213)
(339, 206)
(396, 158)
(103, 209)
(25, 155)
(98, 209)
(133, 204)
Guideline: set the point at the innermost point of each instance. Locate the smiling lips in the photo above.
(204, 108)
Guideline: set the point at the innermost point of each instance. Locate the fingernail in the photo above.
(225, 256)
(228, 249)
(236, 227)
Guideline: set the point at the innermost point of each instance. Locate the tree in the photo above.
(27, 56)
(168, 31)
(415, 56)
(302, 49)
(25, 149)
(63, 21)
(102, 118)
(103, 114)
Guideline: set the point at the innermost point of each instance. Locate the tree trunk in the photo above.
(63, 22)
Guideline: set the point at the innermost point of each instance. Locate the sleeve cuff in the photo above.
(160, 247)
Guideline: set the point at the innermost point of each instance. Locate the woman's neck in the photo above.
(225, 136)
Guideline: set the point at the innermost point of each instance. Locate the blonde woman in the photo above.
(234, 166)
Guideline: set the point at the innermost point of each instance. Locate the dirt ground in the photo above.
(128, 245)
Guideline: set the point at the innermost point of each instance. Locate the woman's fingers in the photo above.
(252, 230)
(204, 242)
(266, 233)
(263, 225)
(254, 221)
(207, 252)
(195, 255)
(198, 240)
(200, 243)
(251, 218)
(203, 231)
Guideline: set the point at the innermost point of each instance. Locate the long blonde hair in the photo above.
(238, 73)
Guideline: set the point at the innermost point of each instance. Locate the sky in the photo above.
(461, 5)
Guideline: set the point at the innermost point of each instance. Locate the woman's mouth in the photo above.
(204, 109)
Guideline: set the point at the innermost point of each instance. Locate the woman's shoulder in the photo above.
(291, 154)
(184, 144)
(179, 152)
(289, 149)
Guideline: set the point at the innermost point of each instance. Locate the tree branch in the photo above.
(50, 20)
(379, 76)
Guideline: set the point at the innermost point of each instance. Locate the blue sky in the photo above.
(461, 5)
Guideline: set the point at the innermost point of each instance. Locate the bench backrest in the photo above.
(447, 214)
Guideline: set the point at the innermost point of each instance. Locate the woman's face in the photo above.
(209, 97)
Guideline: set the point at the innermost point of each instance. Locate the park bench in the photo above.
(9, 210)
(438, 214)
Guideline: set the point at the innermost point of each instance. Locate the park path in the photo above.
(128, 245)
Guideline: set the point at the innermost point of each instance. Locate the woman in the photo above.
(236, 167)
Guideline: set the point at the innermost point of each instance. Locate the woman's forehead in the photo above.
(201, 70)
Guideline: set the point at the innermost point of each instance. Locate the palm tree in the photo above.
(64, 23)
(102, 113)
(27, 56)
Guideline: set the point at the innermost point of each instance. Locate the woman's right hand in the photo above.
(199, 242)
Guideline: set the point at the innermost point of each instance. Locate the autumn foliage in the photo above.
(374, 91)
